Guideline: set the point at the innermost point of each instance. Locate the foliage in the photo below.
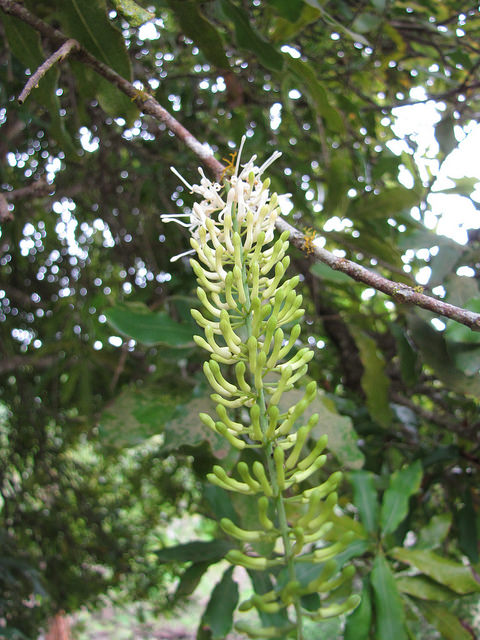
(95, 326)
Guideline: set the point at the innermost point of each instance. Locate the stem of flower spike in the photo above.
(268, 451)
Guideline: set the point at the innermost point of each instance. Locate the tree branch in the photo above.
(59, 55)
(398, 291)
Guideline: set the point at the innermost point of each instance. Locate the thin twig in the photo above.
(59, 55)
(35, 190)
(398, 291)
(5, 213)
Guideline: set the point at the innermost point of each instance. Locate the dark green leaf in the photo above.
(324, 272)
(388, 202)
(409, 365)
(375, 382)
(365, 499)
(390, 615)
(358, 623)
(262, 583)
(201, 31)
(442, 619)
(88, 23)
(445, 134)
(467, 527)
(217, 619)
(247, 38)
(220, 503)
(289, 9)
(454, 575)
(434, 350)
(317, 94)
(403, 484)
(198, 551)
(190, 579)
(138, 322)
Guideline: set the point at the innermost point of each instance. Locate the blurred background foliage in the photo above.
(100, 380)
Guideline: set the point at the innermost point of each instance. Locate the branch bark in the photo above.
(59, 55)
(398, 291)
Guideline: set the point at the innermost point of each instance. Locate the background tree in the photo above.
(95, 320)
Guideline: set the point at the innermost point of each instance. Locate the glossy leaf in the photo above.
(358, 623)
(365, 499)
(445, 135)
(434, 532)
(390, 615)
(435, 352)
(196, 26)
(467, 528)
(133, 13)
(324, 272)
(317, 94)
(375, 382)
(190, 579)
(197, 551)
(454, 575)
(217, 619)
(136, 321)
(248, 38)
(444, 621)
(88, 23)
(403, 485)
(424, 588)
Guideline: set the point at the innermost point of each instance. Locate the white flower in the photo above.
(247, 193)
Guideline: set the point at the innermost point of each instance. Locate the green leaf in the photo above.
(185, 429)
(288, 9)
(375, 382)
(24, 42)
(444, 263)
(247, 38)
(444, 621)
(366, 22)
(217, 619)
(194, 24)
(435, 353)
(387, 203)
(434, 532)
(445, 134)
(133, 13)
(317, 94)
(403, 484)
(136, 321)
(452, 574)
(190, 579)
(196, 551)
(424, 588)
(467, 527)
(324, 272)
(137, 414)
(342, 438)
(459, 332)
(358, 623)
(88, 23)
(390, 614)
(262, 583)
(365, 498)
(409, 365)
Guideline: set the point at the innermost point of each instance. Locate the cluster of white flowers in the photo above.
(211, 219)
